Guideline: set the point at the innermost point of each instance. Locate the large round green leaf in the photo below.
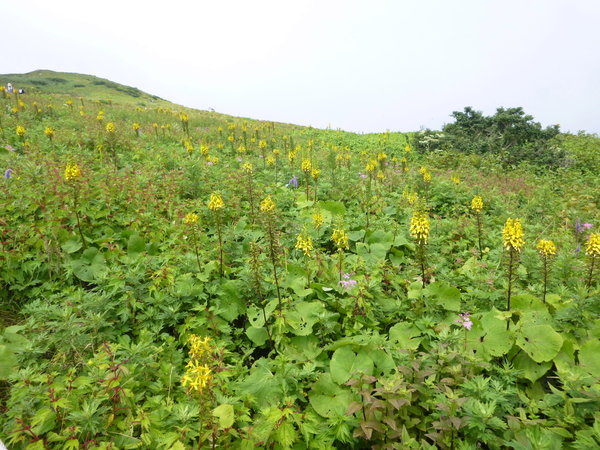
(540, 342)
(345, 364)
(328, 399)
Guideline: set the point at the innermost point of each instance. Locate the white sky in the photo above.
(362, 66)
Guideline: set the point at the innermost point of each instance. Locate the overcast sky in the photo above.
(362, 66)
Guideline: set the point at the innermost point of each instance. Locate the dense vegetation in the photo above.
(176, 279)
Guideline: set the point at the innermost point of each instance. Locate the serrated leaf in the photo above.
(135, 244)
(448, 297)
(406, 335)
(225, 415)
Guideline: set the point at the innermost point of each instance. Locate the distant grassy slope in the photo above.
(78, 85)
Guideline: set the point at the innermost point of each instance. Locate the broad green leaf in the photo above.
(540, 342)
(405, 334)
(445, 295)
(71, 246)
(306, 314)
(385, 238)
(135, 244)
(335, 208)
(262, 384)
(225, 415)
(328, 399)
(489, 337)
(257, 335)
(531, 370)
(346, 364)
(589, 357)
(8, 361)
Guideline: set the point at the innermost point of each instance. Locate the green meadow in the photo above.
(176, 279)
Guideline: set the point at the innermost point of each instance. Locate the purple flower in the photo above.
(578, 249)
(8, 173)
(578, 226)
(293, 182)
(9, 148)
(465, 320)
(362, 175)
(587, 226)
(348, 284)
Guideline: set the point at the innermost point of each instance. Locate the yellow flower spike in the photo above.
(190, 219)
(513, 235)
(136, 126)
(593, 245)
(477, 204)
(110, 127)
(317, 220)
(546, 248)
(216, 202)
(371, 166)
(455, 179)
(72, 172)
(427, 177)
(306, 165)
(20, 131)
(315, 173)
(304, 243)
(49, 132)
(267, 205)
(270, 161)
(419, 226)
(247, 167)
(407, 148)
(340, 238)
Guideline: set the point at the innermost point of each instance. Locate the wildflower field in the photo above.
(174, 279)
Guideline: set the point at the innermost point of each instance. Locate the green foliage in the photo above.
(132, 318)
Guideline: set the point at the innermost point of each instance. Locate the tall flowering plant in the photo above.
(592, 250)
(547, 252)
(419, 230)
(216, 205)
(72, 177)
(513, 240)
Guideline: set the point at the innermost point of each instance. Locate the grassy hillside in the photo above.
(78, 85)
(173, 278)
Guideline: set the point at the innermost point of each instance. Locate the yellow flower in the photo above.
(216, 202)
(317, 220)
(270, 160)
(191, 218)
(477, 204)
(199, 346)
(110, 127)
(455, 179)
(136, 126)
(371, 166)
(267, 205)
(306, 165)
(593, 245)
(315, 173)
(262, 144)
(49, 132)
(381, 156)
(546, 248)
(100, 117)
(304, 243)
(184, 117)
(72, 172)
(407, 148)
(247, 167)
(197, 376)
(242, 149)
(340, 238)
(513, 235)
(419, 226)
(20, 131)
